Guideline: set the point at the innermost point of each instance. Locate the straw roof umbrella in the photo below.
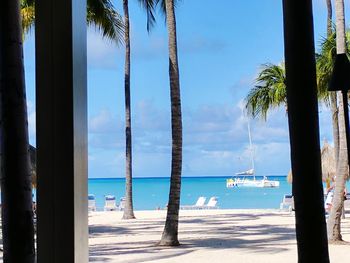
(327, 161)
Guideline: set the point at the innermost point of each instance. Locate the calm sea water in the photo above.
(150, 193)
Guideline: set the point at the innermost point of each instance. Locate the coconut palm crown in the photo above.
(270, 91)
(325, 62)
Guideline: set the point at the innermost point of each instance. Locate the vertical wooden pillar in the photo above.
(304, 131)
(61, 113)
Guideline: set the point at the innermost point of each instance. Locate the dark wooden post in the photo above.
(61, 112)
(304, 131)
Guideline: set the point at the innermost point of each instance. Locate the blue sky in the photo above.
(221, 48)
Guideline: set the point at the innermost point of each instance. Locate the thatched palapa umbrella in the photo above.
(328, 163)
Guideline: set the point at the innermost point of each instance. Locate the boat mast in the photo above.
(251, 148)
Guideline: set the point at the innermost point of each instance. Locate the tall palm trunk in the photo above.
(128, 210)
(329, 17)
(170, 233)
(16, 192)
(335, 123)
(333, 95)
(310, 225)
(334, 221)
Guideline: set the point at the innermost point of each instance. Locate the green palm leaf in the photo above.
(149, 6)
(102, 14)
(325, 62)
(269, 92)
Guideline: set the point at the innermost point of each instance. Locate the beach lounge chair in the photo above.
(198, 205)
(121, 204)
(110, 204)
(211, 203)
(287, 203)
(91, 203)
(347, 203)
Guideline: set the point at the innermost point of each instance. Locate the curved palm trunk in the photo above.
(334, 221)
(128, 210)
(16, 192)
(170, 233)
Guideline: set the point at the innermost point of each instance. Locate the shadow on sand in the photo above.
(224, 231)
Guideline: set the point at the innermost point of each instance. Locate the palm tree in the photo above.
(304, 132)
(325, 64)
(170, 232)
(334, 220)
(149, 7)
(100, 13)
(16, 191)
(270, 91)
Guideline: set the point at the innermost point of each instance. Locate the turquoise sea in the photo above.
(151, 193)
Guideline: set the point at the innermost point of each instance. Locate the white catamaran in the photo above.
(248, 182)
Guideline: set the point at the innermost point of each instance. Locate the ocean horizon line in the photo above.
(184, 176)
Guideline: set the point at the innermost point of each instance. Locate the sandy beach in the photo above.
(206, 236)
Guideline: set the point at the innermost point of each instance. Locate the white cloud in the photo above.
(105, 122)
(101, 53)
(215, 139)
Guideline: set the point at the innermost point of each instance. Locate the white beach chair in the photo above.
(287, 203)
(212, 203)
(91, 203)
(121, 204)
(110, 204)
(198, 205)
(347, 203)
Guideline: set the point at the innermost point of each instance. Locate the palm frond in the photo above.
(102, 14)
(28, 16)
(325, 60)
(269, 92)
(149, 7)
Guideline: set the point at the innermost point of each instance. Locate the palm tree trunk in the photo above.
(303, 119)
(170, 233)
(16, 192)
(334, 221)
(333, 95)
(340, 26)
(329, 17)
(335, 123)
(128, 210)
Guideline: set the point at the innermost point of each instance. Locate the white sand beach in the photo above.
(205, 235)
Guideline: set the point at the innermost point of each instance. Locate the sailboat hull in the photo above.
(237, 182)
